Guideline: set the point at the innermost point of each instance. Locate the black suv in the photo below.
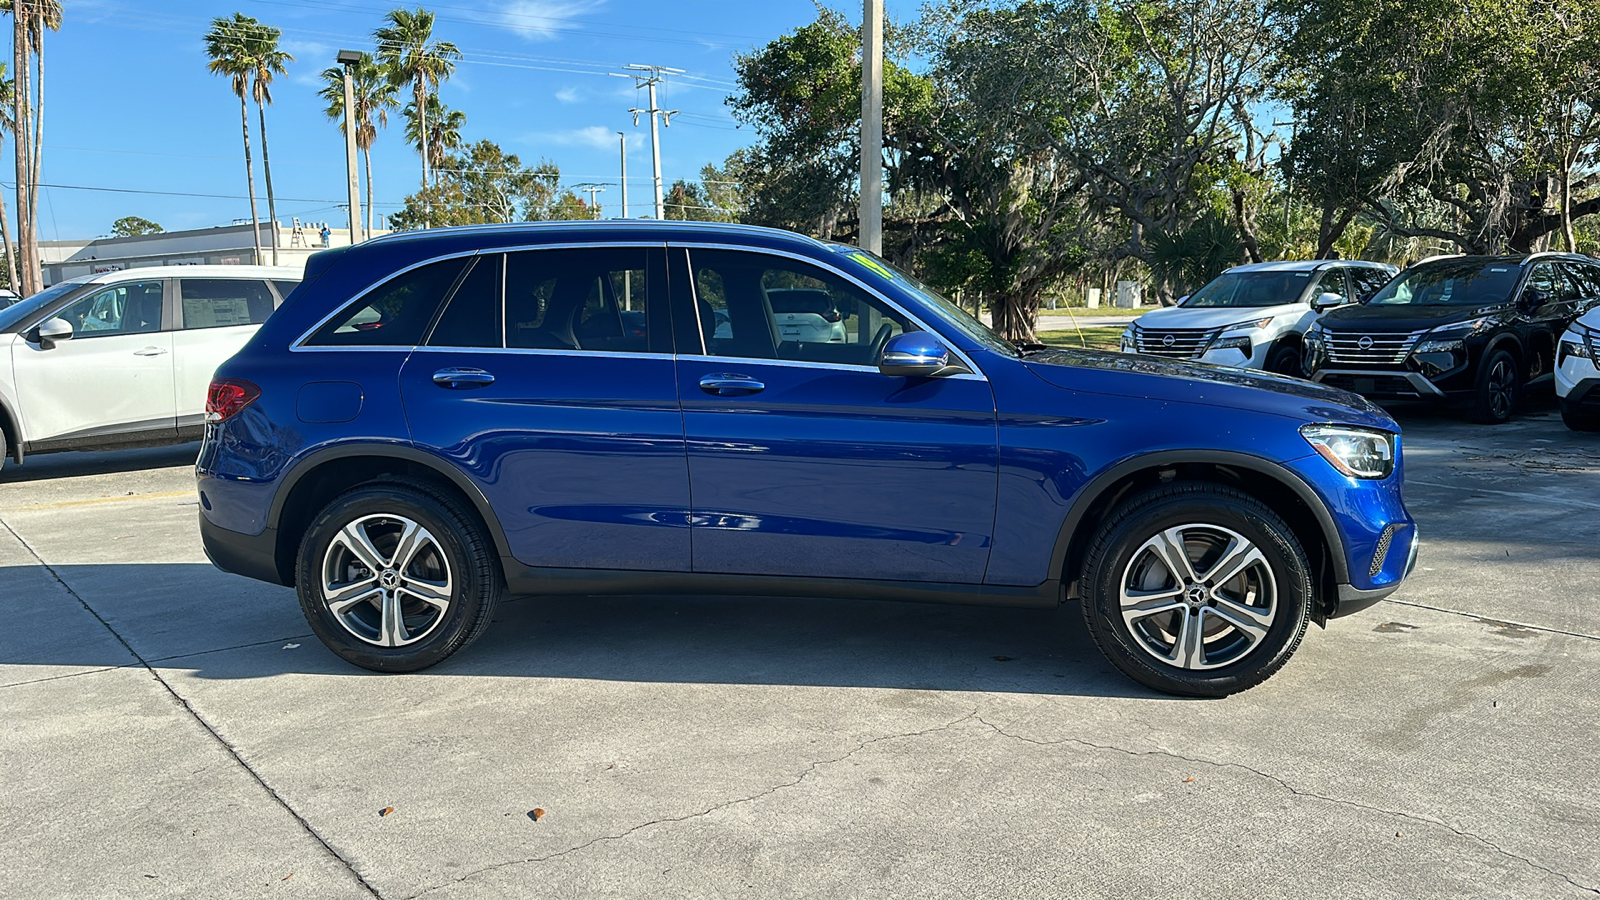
(1474, 329)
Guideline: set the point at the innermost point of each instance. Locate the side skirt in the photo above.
(530, 581)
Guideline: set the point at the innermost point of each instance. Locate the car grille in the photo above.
(1371, 385)
(1369, 349)
(1176, 343)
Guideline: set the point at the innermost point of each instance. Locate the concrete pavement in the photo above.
(174, 731)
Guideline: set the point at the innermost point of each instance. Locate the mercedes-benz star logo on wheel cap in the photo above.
(1365, 343)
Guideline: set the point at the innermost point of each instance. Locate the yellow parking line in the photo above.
(167, 495)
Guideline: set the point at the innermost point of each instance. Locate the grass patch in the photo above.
(1103, 338)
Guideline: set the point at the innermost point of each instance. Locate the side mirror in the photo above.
(916, 354)
(53, 331)
(1533, 298)
(1327, 301)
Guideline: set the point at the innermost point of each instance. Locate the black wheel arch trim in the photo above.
(1097, 487)
(11, 423)
(401, 452)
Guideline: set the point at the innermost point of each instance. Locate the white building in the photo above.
(226, 245)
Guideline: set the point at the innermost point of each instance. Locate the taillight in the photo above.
(228, 397)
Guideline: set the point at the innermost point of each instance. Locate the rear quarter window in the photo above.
(395, 313)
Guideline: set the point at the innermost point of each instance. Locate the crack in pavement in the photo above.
(607, 838)
(1283, 783)
(194, 714)
(1491, 621)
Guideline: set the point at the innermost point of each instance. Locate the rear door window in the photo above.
(394, 314)
(596, 300)
(221, 302)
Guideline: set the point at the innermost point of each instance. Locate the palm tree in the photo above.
(226, 47)
(266, 61)
(444, 131)
(407, 49)
(375, 95)
(8, 125)
(31, 19)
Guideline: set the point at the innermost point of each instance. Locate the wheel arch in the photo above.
(326, 473)
(11, 424)
(1280, 489)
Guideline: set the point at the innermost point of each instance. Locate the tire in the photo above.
(434, 593)
(1578, 421)
(4, 449)
(1499, 389)
(1272, 593)
(1287, 360)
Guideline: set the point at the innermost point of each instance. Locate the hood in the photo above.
(1213, 317)
(1154, 378)
(1400, 318)
(1591, 319)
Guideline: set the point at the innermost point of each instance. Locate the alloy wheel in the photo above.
(1501, 379)
(386, 580)
(1198, 596)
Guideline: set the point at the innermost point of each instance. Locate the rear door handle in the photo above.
(150, 351)
(460, 379)
(729, 385)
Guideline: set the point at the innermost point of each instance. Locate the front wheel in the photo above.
(1499, 389)
(1196, 589)
(396, 577)
(1287, 360)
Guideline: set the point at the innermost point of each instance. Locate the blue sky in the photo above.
(129, 103)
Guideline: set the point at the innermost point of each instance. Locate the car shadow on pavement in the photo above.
(195, 618)
(47, 466)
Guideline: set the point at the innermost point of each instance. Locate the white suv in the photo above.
(1255, 315)
(1578, 375)
(124, 358)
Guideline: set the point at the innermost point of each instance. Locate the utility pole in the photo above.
(591, 188)
(622, 141)
(649, 77)
(348, 59)
(871, 127)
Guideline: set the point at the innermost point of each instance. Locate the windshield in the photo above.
(1241, 290)
(1460, 282)
(948, 312)
(24, 308)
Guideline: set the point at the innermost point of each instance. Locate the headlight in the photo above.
(1356, 452)
(1130, 343)
(1578, 342)
(1225, 341)
(1250, 325)
(1439, 347)
(1240, 342)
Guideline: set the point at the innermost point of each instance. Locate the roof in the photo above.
(1307, 265)
(590, 228)
(139, 273)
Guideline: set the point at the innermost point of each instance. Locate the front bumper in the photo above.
(1353, 599)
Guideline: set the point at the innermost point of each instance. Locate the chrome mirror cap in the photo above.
(54, 331)
(916, 354)
(1327, 301)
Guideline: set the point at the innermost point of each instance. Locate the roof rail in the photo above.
(1437, 256)
(585, 224)
(1556, 254)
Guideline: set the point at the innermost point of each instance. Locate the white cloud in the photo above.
(598, 137)
(541, 20)
(568, 95)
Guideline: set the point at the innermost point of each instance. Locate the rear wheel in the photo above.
(1197, 590)
(396, 577)
(1499, 389)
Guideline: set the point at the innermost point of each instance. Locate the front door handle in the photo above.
(150, 351)
(460, 379)
(730, 385)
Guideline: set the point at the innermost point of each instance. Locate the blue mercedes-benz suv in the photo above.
(438, 419)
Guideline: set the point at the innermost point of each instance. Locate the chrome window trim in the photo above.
(544, 351)
(807, 364)
(298, 345)
(687, 245)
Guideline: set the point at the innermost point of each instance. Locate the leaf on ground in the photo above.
(287, 877)
(387, 810)
(1002, 658)
(1189, 779)
(290, 646)
(536, 814)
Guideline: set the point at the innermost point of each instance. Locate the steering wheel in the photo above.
(879, 341)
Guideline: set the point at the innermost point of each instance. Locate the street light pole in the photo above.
(871, 214)
(348, 59)
(622, 140)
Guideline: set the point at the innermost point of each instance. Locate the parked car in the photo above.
(806, 314)
(125, 358)
(1577, 377)
(1255, 316)
(1475, 330)
(404, 479)
(7, 297)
